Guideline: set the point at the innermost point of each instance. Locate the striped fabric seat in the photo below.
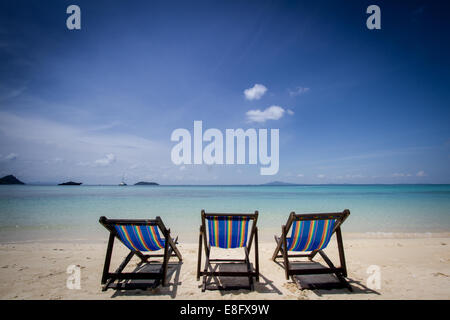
(140, 237)
(309, 235)
(228, 231)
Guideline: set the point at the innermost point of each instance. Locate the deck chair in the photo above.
(228, 230)
(311, 233)
(139, 236)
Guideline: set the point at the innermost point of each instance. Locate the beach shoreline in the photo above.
(191, 237)
(410, 268)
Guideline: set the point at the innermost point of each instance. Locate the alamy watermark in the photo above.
(374, 279)
(73, 281)
(374, 20)
(234, 150)
(73, 21)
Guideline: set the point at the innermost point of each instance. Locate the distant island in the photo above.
(144, 183)
(10, 179)
(279, 183)
(70, 183)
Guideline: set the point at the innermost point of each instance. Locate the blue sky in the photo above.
(93, 105)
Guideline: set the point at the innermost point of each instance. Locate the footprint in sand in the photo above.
(292, 287)
(437, 274)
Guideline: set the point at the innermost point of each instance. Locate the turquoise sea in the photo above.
(30, 213)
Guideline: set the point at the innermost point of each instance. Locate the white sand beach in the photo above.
(410, 268)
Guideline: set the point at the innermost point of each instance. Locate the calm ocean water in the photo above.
(69, 213)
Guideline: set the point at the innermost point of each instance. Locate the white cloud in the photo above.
(421, 173)
(271, 113)
(11, 157)
(290, 112)
(350, 176)
(401, 174)
(55, 160)
(320, 176)
(298, 91)
(107, 160)
(10, 93)
(39, 140)
(300, 175)
(255, 92)
(84, 164)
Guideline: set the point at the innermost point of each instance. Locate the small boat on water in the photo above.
(123, 182)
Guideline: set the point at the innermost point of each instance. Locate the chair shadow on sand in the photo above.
(153, 287)
(324, 283)
(235, 285)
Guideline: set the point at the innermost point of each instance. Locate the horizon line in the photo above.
(235, 185)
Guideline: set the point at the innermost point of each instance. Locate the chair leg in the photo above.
(119, 269)
(204, 275)
(339, 275)
(249, 269)
(344, 282)
(207, 253)
(165, 263)
(312, 255)
(199, 259)
(341, 251)
(285, 254)
(143, 258)
(285, 264)
(256, 255)
(326, 259)
(175, 249)
(108, 258)
(277, 249)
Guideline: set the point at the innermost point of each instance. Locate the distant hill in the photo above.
(10, 179)
(278, 183)
(70, 183)
(144, 183)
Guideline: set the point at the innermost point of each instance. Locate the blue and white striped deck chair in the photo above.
(311, 234)
(228, 231)
(138, 236)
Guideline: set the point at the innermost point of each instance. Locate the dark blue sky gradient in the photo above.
(377, 108)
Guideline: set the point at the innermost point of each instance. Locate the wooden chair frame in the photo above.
(170, 250)
(340, 272)
(203, 240)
